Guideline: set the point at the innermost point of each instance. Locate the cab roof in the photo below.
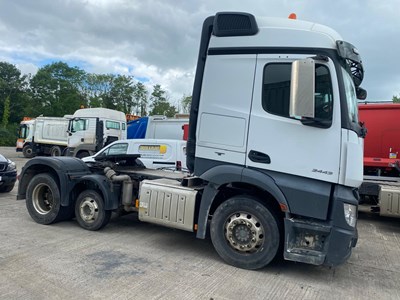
(282, 33)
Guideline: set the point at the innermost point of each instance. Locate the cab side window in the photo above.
(276, 90)
(79, 125)
(117, 149)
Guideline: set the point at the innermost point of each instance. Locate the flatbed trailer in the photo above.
(381, 195)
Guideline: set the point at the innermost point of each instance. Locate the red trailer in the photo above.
(380, 189)
(382, 143)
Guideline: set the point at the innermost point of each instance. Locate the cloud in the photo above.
(159, 39)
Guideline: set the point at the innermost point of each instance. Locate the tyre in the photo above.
(90, 212)
(55, 151)
(6, 188)
(43, 200)
(245, 233)
(27, 151)
(82, 154)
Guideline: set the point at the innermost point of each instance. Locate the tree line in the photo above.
(58, 89)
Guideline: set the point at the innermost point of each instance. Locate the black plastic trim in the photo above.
(306, 197)
(110, 196)
(198, 81)
(234, 24)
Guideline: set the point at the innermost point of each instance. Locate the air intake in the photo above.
(234, 24)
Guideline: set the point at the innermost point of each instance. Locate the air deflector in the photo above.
(234, 24)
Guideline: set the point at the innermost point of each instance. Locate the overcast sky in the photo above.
(157, 40)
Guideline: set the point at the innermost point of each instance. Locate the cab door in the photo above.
(278, 142)
(82, 131)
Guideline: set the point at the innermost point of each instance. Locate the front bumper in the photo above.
(319, 242)
(8, 178)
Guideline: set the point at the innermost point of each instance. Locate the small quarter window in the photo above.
(112, 125)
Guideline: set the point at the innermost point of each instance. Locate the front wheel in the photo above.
(90, 212)
(27, 151)
(245, 233)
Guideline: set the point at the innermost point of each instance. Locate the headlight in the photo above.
(350, 214)
(11, 166)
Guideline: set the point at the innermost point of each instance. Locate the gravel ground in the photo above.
(133, 260)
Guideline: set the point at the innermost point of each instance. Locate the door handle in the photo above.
(82, 139)
(259, 157)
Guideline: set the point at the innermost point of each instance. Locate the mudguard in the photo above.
(66, 170)
(224, 174)
(110, 196)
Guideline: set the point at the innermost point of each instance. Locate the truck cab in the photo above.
(274, 111)
(91, 129)
(25, 135)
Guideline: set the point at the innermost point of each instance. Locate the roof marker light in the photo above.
(292, 16)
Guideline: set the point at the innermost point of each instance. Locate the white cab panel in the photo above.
(209, 134)
(225, 107)
(352, 159)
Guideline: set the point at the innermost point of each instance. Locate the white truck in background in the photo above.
(158, 127)
(90, 129)
(43, 136)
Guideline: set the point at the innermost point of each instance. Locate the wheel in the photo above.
(55, 151)
(90, 212)
(43, 200)
(6, 188)
(27, 151)
(245, 233)
(65, 151)
(82, 154)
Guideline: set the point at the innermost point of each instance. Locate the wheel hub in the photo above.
(42, 199)
(89, 210)
(244, 232)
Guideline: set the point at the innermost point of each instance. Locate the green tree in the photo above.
(13, 86)
(57, 89)
(396, 99)
(110, 91)
(186, 102)
(122, 93)
(160, 104)
(97, 87)
(6, 112)
(140, 99)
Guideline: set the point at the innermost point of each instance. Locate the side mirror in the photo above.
(302, 89)
(361, 93)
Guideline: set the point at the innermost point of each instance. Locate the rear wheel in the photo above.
(82, 154)
(43, 200)
(245, 233)
(27, 151)
(90, 212)
(55, 151)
